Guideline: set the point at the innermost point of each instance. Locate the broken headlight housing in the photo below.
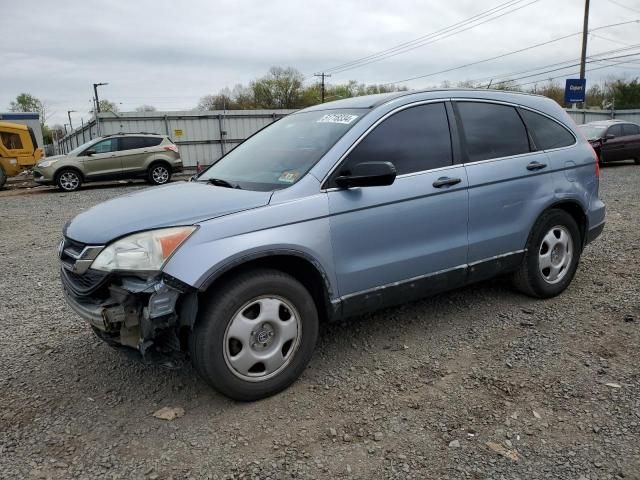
(144, 251)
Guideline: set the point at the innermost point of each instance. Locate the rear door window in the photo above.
(492, 130)
(11, 141)
(630, 129)
(414, 140)
(131, 143)
(152, 141)
(547, 133)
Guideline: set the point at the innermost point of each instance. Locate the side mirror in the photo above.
(610, 136)
(368, 174)
(88, 153)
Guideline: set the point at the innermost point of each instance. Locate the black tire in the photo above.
(159, 173)
(529, 278)
(69, 180)
(207, 347)
(636, 161)
(3, 178)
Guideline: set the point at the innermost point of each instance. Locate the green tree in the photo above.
(280, 88)
(625, 94)
(107, 106)
(146, 108)
(25, 102)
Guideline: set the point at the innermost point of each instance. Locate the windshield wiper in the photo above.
(218, 182)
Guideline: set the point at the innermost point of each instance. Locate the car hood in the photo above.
(51, 157)
(184, 203)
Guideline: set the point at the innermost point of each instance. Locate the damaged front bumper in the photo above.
(151, 314)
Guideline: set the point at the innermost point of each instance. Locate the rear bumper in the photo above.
(594, 233)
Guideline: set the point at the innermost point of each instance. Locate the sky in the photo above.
(169, 54)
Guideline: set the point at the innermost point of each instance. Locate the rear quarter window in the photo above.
(152, 141)
(492, 130)
(547, 134)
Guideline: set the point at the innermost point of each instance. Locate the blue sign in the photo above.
(574, 90)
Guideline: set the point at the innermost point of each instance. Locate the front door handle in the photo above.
(446, 182)
(536, 166)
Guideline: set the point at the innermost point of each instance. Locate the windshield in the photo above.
(592, 132)
(79, 149)
(282, 153)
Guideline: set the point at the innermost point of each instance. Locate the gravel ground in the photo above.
(479, 383)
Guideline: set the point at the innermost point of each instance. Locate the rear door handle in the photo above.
(446, 182)
(536, 166)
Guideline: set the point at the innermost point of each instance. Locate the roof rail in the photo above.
(132, 133)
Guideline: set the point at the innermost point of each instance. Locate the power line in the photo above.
(502, 78)
(624, 6)
(445, 32)
(513, 52)
(574, 73)
(569, 66)
(608, 39)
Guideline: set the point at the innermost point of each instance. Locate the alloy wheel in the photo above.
(69, 181)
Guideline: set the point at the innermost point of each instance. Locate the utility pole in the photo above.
(322, 76)
(95, 91)
(69, 112)
(585, 33)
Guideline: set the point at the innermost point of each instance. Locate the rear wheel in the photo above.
(552, 256)
(69, 180)
(256, 335)
(637, 161)
(159, 174)
(3, 178)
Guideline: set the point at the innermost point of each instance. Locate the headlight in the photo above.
(146, 251)
(46, 163)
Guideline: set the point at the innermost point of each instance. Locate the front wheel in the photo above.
(69, 180)
(159, 174)
(256, 335)
(552, 256)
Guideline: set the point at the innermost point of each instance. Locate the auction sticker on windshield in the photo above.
(345, 118)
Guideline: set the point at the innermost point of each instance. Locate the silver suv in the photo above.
(333, 211)
(122, 155)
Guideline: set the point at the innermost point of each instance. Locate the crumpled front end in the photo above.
(150, 313)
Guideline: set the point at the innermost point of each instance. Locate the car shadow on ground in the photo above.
(105, 369)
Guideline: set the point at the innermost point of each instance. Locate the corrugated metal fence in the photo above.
(201, 136)
(585, 116)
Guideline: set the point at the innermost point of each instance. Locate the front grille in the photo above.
(83, 284)
(76, 258)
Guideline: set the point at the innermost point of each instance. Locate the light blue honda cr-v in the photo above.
(335, 210)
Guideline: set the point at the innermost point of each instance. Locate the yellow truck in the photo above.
(19, 150)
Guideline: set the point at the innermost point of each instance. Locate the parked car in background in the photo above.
(336, 210)
(119, 156)
(614, 140)
(19, 150)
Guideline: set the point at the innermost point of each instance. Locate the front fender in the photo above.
(299, 227)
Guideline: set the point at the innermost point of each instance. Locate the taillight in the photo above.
(596, 159)
(171, 147)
